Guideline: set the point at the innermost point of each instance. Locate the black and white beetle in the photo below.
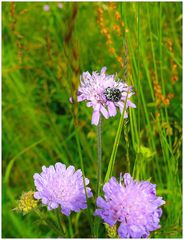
(112, 94)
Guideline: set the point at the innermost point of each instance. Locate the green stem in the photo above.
(116, 144)
(138, 72)
(70, 227)
(99, 155)
(48, 222)
(61, 227)
(83, 174)
(99, 173)
(127, 147)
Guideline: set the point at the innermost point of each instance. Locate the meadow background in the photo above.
(45, 48)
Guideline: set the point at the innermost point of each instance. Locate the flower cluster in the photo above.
(104, 94)
(61, 186)
(134, 204)
(27, 202)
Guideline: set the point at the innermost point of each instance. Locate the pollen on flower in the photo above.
(27, 202)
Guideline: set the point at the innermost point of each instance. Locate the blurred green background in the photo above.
(45, 48)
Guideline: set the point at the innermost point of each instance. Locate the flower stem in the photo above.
(127, 146)
(83, 174)
(61, 227)
(116, 144)
(70, 227)
(48, 222)
(99, 166)
(99, 155)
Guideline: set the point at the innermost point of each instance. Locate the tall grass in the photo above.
(43, 54)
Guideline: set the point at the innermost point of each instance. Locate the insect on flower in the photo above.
(104, 94)
(112, 94)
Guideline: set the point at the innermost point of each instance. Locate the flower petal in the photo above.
(123, 231)
(104, 112)
(130, 104)
(112, 109)
(95, 117)
(127, 179)
(103, 70)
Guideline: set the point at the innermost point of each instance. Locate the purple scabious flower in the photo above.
(104, 94)
(58, 186)
(134, 204)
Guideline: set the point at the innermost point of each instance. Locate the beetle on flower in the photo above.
(104, 94)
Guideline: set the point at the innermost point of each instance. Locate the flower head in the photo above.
(134, 204)
(61, 186)
(104, 94)
(46, 8)
(27, 202)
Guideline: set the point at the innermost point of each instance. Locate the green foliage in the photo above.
(43, 55)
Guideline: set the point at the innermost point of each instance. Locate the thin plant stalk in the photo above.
(60, 223)
(99, 155)
(99, 171)
(70, 227)
(49, 223)
(127, 147)
(83, 174)
(116, 144)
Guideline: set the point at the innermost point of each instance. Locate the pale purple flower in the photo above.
(104, 94)
(133, 204)
(46, 8)
(58, 186)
